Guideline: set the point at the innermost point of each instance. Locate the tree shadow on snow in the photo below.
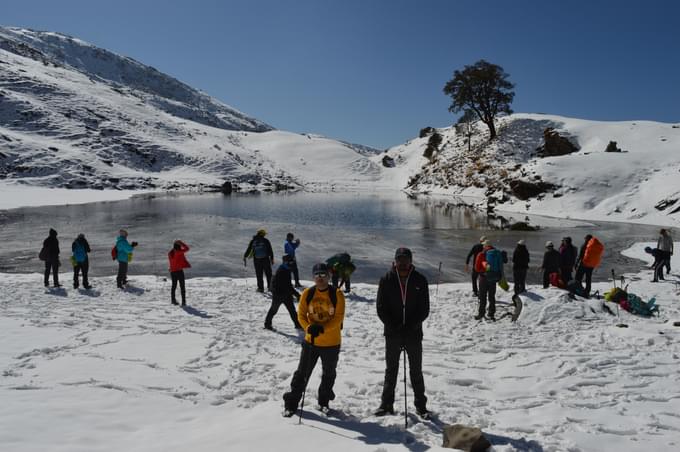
(531, 296)
(198, 313)
(371, 433)
(517, 444)
(293, 337)
(89, 293)
(355, 297)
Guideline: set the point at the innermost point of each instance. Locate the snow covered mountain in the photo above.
(73, 115)
(637, 180)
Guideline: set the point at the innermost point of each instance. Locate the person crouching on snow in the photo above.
(178, 262)
(320, 313)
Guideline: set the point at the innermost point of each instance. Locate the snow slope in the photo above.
(76, 116)
(629, 186)
(107, 370)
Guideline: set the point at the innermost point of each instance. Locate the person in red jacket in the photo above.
(177, 265)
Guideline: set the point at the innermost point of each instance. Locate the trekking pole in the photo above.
(308, 373)
(405, 395)
(439, 275)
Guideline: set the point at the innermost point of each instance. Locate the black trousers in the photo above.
(309, 355)
(475, 276)
(295, 272)
(263, 265)
(53, 266)
(487, 290)
(178, 277)
(121, 278)
(414, 351)
(336, 279)
(84, 267)
(276, 303)
(582, 271)
(519, 276)
(565, 273)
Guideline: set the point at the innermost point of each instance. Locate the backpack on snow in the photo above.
(576, 288)
(494, 259)
(635, 305)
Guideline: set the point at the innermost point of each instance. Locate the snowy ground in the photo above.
(107, 370)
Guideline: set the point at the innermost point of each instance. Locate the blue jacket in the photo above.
(80, 248)
(123, 249)
(289, 248)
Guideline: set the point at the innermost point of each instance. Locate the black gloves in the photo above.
(134, 244)
(315, 329)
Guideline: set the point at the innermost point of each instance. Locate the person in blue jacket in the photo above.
(289, 248)
(123, 255)
(80, 248)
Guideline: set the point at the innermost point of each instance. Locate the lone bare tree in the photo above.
(482, 88)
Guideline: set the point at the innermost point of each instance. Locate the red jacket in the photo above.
(177, 260)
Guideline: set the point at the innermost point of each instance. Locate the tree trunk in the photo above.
(492, 129)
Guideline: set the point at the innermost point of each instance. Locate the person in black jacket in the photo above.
(403, 303)
(520, 266)
(472, 255)
(551, 263)
(283, 293)
(568, 253)
(260, 249)
(50, 254)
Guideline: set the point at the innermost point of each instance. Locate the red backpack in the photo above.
(114, 252)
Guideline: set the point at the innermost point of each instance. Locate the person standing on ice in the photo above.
(590, 257)
(178, 262)
(283, 293)
(289, 248)
(520, 266)
(123, 256)
(665, 245)
(403, 304)
(472, 255)
(320, 313)
(50, 254)
(260, 249)
(80, 248)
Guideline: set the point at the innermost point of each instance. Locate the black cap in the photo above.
(319, 268)
(403, 252)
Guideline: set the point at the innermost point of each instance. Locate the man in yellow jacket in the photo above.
(320, 313)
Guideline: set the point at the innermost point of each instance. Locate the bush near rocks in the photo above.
(611, 147)
(425, 131)
(524, 190)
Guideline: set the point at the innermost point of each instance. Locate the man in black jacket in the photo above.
(551, 263)
(403, 303)
(260, 249)
(520, 266)
(283, 293)
(568, 254)
(51, 258)
(476, 249)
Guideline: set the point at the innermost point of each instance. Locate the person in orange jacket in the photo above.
(178, 262)
(590, 257)
(320, 314)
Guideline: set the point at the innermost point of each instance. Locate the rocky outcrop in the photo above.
(555, 144)
(525, 190)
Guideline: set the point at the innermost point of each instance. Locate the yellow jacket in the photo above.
(320, 310)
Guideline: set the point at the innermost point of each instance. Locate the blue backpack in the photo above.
(260, 249)
(495, 260)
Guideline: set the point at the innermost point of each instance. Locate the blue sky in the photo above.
(372, 71)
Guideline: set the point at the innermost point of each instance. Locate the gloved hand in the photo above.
(134, 244)
(314, 329)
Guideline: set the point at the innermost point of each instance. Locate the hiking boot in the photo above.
(492, 318)
(424, 414)
(324, 409)
(174, 302)
(288, 413)
(260, 290)
(88, 287)
(269, 327)
(184, 303)
(479, 316)
(384, 411)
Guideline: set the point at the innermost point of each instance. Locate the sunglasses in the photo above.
(320, 275)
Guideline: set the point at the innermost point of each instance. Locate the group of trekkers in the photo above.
(556, 268)
(402, 301)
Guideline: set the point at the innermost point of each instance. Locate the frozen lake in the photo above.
(368, 226)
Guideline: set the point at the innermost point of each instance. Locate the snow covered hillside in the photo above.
(76, 116)
(104, 370)
(641, 183)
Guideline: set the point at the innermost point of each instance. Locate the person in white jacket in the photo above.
(665, 244)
